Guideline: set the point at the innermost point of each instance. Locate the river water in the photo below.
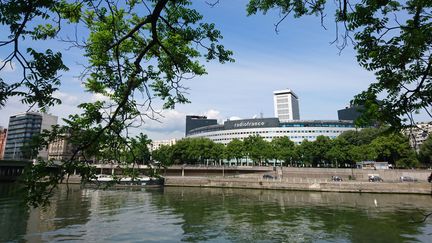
(174, 214)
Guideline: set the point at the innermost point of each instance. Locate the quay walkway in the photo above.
(302, 185)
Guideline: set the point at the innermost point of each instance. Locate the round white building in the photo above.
(269, 128)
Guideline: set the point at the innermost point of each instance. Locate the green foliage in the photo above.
(395, 149)
(164, 155)
(138, 151)
(283, 149)
(217, 152)
(304, 152)
(38, 142)
(297, 7)
(40, 70)
(314, 153)
(425, 152)
(40, 181)
(42, 178)
(190, 151)
(347, 149)
(393, 40)
(145, 48)
(135, 51)
(322, 145)
(340, 152)
(363, 136)
(257, 149)
(363, 152)
(235, 150)
(380, 145)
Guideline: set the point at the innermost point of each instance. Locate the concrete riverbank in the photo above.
(295, 184)
(299, 179)
(279, 184)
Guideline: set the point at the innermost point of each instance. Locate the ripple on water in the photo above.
(216, 215)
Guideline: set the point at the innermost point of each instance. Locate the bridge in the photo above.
(10, 170)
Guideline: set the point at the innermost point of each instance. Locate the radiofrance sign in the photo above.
(251, 123)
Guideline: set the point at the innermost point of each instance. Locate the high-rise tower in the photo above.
(286, 105)
(22, 127)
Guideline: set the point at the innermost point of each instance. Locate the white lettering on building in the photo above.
(249, 124)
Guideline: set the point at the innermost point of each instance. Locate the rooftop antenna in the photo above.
(261, 115)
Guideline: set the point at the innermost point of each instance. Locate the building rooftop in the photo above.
(285, 91)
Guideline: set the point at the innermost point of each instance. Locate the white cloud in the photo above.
(213, 114)
(13, 106)
(99, 97)
(68, 107)
(173, 122)
(163, 136)
(234, 118)
(66, 98)
(245, 88)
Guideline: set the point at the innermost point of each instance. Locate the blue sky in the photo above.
(299, 57)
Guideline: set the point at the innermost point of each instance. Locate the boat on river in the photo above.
(137, 181)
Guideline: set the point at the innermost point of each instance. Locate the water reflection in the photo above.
(67, 208)
(13, 216)
(214, 215)
(259, 215)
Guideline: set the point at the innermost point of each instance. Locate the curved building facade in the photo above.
(269, 128)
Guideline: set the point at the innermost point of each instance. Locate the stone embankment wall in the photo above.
(325, 174)
(302, 185)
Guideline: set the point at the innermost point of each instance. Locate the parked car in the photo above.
(375, 178)
(336, 178)
(266, 176)
(407, 179)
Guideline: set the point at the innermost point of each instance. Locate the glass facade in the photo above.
(21, 129)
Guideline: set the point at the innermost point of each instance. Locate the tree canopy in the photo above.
(282, 149)
(393, 148)
(393, 39)
(426, 151)
(138, 51)
(256, 148)
(235, 149)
